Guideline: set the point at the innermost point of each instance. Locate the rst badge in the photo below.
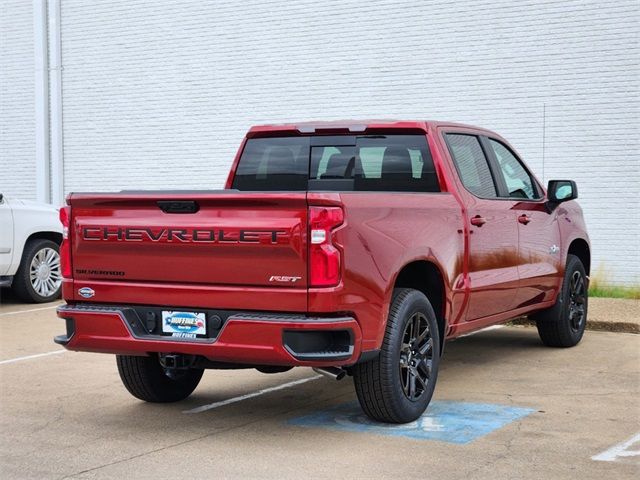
(184, 324)
(284, 279)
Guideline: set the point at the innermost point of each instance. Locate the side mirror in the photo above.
(560, 191)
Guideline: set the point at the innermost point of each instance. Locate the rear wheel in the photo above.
(38, 278)
(148, 380)
(397, 386)
(563, 324)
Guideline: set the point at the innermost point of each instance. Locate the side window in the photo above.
(519, 182)
(471, 164)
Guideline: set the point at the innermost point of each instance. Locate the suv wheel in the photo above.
(148, 380)
(563, 324)
(38, 278)
(397, 386)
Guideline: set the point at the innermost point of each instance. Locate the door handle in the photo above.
(523, 219)
(178, 206)
(478, 221)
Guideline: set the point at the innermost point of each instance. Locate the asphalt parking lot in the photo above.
(505, 407)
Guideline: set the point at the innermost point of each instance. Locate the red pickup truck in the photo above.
(356, 248)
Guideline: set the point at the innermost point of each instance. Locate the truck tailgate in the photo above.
(212, 238)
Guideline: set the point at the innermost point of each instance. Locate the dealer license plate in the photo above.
(184, 324)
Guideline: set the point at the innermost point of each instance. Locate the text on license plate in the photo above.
(184, 324)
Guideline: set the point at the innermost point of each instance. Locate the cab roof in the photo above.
(351, 126)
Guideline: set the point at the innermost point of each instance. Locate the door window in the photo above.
(518, 181)
(471, 164)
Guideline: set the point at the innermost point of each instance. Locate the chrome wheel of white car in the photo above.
(44, 272)
(39, 277)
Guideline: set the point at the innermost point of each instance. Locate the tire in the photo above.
(38, 278)
(147, 380)
(383, 385)
(563, 324)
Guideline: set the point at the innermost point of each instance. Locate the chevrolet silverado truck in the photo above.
(356, 248)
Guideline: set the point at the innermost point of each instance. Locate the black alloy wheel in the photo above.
(577, 300)
(416, 356)
(563, 324)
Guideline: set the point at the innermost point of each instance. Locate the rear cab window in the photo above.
(273, 164)
(394, 163)
(472, 164)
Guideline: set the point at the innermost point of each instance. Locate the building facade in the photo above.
(122, 94)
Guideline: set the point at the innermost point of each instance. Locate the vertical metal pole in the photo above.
(57, 147)
(43, 190)
(544, 138)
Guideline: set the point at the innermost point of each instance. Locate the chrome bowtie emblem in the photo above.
(554, 249)
(86, 292)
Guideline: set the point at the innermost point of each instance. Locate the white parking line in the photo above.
(229, 401)
(619, 450)
(29, 357)
(16, 312)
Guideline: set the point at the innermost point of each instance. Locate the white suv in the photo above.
(30, 237)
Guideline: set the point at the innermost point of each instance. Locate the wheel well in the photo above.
(425, 277)
(53, 236)
(580, 249)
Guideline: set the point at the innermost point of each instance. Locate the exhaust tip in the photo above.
(335, 373)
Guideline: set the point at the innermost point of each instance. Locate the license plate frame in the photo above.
(184, 324)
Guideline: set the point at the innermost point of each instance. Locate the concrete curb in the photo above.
(595, 324)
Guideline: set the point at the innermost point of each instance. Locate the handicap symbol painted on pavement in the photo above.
(453, 422)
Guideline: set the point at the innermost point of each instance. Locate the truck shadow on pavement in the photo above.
(324, 404)
(464, 357)
(472, 352)
(494, 346)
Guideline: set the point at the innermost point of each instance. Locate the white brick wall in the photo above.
(17, 105)
(159, 94)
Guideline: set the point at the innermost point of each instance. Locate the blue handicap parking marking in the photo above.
(453, 422)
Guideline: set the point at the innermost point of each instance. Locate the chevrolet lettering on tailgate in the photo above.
(200, 235)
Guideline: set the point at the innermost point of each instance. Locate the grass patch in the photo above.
(596, 290)
(600, 286)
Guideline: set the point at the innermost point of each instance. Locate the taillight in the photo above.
(65, 246)
(324, 258)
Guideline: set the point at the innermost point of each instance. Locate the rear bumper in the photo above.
(245, 337)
